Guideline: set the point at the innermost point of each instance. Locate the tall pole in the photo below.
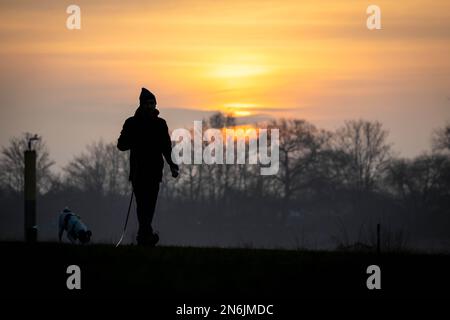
(30, 193)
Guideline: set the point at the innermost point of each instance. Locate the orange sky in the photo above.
(308, 59)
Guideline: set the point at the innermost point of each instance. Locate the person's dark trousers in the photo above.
(146, 193)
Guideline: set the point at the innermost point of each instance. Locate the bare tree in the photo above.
(299, 143)
(421, 181)
(102, 168)
(441, 139)
(12, 164)
(219, 120)
(365, 144)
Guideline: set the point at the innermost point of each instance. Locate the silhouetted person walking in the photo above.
(147, 137)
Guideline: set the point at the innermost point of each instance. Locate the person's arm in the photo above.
(125, 140)
(167, 150)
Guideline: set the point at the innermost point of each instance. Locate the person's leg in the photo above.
(146, 197)
(153, 199)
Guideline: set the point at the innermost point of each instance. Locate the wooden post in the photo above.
(30, 196)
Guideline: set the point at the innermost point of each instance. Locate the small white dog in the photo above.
(75, 228)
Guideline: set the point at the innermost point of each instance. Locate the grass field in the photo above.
(213, 274)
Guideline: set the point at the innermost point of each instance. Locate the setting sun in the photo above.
(239, 109)
(240, 113)
(239, 71)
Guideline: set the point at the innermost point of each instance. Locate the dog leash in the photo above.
(126, 220)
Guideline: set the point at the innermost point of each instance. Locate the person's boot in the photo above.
(154, 239)
(148, 239)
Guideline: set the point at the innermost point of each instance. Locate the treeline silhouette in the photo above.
(331, 191)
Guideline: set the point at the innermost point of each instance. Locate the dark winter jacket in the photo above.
(147, 137)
